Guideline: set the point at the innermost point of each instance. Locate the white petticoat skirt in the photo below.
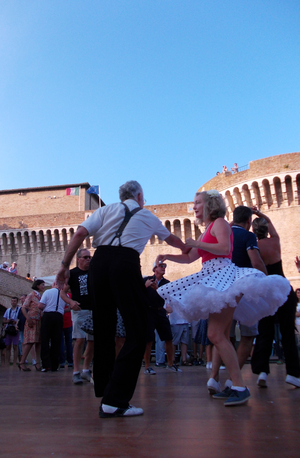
(218, 284)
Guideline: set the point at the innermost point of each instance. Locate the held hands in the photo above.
(191, 243)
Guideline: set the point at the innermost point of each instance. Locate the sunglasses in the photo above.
(162, 265)
(86, 257)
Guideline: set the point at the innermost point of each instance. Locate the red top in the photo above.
(208, 238)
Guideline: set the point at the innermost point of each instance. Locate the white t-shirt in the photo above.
(11, 314)
(105, 221)
(49, 299)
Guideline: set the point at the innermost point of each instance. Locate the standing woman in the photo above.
(221, 290)
(32, 328)
(270, 252)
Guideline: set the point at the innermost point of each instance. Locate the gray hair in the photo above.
(129, 190)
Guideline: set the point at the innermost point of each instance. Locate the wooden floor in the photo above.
(45, 415)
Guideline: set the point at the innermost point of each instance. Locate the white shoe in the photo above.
(149, 371)
(107, 411)
(87, 376)
(222, 368)
(293, 380)
(213, 386)
(262, 380)
(209, 366)
(173, 368)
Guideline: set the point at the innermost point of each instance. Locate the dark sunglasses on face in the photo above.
(86, 257)
(162, 265)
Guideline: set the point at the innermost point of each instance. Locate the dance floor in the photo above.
(45, 415)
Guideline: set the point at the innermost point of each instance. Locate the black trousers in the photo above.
(115, 281)
(51, 329)
(285, 316)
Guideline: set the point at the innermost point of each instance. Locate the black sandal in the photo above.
(185, 363)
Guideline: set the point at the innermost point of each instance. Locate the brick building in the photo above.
(36, 224)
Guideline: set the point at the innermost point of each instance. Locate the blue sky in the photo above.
(164, 92)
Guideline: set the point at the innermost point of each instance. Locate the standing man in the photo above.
(120, 231)
(78, 286)
(157, 318)
(245, 254)
(10, 319)
(51, 327)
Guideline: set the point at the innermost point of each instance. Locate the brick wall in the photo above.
(269, 165)
(42, 220)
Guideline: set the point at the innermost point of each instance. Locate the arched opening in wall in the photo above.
(65, 238)
(247, 195)
(289, 189)
(278, 191)
(56, 240)
(238, 196)
(187, 229)
(42, 241)
(27, 242)
(229, 200)
(197, 231)
(4, 244)
(168, 225)
(267, 192)
(258, 199)
(12, 243)
(49, 241)
(298, 188)
(177, 228)
(34, 241)
(88, 242)
(19, 242)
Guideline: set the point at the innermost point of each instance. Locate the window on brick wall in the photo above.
(289, 189)
(267, 192)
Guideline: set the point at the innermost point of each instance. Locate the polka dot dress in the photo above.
(218, 284)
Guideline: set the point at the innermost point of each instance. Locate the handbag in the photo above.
(88, 326)
(11, 330)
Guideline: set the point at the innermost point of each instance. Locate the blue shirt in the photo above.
(243, 241)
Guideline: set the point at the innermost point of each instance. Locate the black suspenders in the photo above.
(128, 216)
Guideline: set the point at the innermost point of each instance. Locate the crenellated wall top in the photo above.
(269, 166)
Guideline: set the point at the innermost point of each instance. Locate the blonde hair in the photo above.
(260, 228)
(214, 206)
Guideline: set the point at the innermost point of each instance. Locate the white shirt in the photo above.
(49, 299)
(105, 221)
(11, 314)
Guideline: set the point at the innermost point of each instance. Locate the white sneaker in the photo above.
(107, 411)
(262, 380)
(222, 368)
(173, 368)
(87, 376)
(149, 371)
(293, 380)
(209, 366)
(213, 386)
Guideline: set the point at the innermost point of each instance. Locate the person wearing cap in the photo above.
(4, 266)
(120, 233)
(157, 318)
